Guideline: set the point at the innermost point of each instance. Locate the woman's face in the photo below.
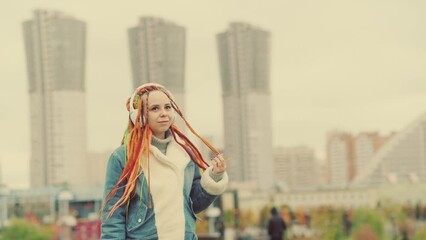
(160, 113)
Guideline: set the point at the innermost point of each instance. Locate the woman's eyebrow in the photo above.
(157, 105)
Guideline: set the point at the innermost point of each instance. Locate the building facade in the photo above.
(97, 163)
(402, 159)
(366, 145)
(296, 167)
(157, 54)
(244, 65)
(340, 157)
(55, 53)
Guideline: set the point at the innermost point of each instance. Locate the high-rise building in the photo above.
(55, 51)
(157, 54)
(340, 157)
(296, 167)
(366, 145)
(401, 159)
(323, 170)
(96, 165)
(244, 64)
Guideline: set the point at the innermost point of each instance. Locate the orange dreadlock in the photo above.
(138, 137)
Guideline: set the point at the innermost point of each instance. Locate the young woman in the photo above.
(154, 186)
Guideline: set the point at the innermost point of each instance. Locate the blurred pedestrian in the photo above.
(347, 221)
(276, 226)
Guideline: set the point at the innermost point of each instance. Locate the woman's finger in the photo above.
(219, 163)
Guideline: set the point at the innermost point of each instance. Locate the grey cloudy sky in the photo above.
(351, 65)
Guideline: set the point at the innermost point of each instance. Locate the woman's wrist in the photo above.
(216, 176)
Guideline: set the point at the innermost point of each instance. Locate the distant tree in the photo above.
(25, 230)
(327, 222)
(392, 210)
(248, 218)
(202, 227)
(254, 219)
(364, 232)
(286, 214)
(420, 233)
(368, 221)
(264, 216)
(229, 218)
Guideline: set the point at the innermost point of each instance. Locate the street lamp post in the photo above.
(212, 213)
(65, 220)
(64, 198)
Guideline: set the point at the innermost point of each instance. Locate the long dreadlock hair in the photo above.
(137, 141)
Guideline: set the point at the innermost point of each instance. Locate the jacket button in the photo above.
(139, 220)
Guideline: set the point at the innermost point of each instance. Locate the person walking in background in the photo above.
(347, 221)
(276, 226)
(157, 180)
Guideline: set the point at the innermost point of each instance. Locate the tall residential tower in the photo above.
(244, 64)
(55, 50)
(340, 156)
(157, 54)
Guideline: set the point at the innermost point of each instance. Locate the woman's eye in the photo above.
(168, 107)
(154, 109)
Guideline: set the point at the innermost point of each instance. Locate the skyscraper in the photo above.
(55, 50)
(157, 54)
(340, 157)
(244, 64)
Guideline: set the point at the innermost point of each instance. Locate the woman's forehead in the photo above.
(156, 97)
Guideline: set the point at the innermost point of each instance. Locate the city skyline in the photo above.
(329, 69)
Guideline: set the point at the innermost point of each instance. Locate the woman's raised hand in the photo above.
(219, 164)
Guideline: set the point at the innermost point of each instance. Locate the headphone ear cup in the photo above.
(133, 114)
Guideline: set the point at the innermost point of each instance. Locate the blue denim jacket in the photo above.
(137, 221)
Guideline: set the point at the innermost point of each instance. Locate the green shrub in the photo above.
(25, 230)
(368, 217)
(420, 234)
(328, 223)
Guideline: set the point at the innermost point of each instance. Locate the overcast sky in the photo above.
(349, 65)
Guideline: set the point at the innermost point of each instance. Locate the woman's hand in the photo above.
(219, 164)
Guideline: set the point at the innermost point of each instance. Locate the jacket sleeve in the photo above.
(205, 190)
(113, 227)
